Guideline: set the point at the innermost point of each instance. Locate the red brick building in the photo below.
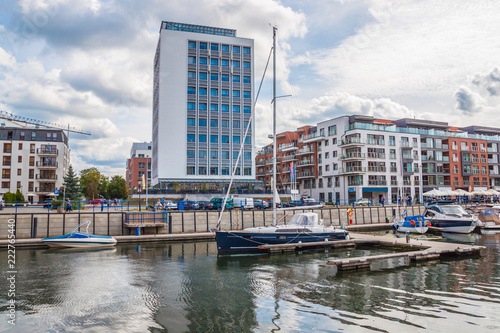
(138, 165)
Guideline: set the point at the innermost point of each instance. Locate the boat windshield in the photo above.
(302, 220)
(453, 209)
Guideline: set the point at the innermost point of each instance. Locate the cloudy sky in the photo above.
(89, 63)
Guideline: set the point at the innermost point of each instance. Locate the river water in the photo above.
(186, 288)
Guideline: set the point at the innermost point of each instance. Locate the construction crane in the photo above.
(20, 119)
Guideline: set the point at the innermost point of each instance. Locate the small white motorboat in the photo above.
(78, 239)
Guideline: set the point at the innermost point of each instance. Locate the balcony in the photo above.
(47, 151)
(392, 143)
(305, 175)
(377, 182)
(313, 137)
(46, 165)
(355, 183)
(45, 189)
(45, 178)
(405, 144)
(376, 155)
(304, 151)
(353, 156)
(305, 162)
(354, 141)
(289, 158)
(377, 169)
(355, 169)
(288, 147)
(474, 148)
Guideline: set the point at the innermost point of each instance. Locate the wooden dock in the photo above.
(423, 251)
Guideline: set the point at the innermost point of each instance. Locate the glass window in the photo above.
(214, 47)
(246, 79)
(202, 106)
(247, 155)
(236, 139)
(202, 154)
(214, 139)
(236, 63)
(236, 93)
(246, 94)
(190, 138)
(236, 78)
(203, 61)
(214, 62)
(214, 154)
(203, 45)
(247, 171)
(191, 60)
(246, 64)
(191, 154)
(236, 108)
(224, 93)
(214, 92)
(202, 122)
(224, 139)
(190, 170)
(225, 108)
(202, 91)
(214, 77)
(236, 124)
(191, 122)
(214, 170)
(192, 44)
(225, 48)
(225, 124)
(191, 90)
(202, 138)
(247, 109)
(246, 50)
(225, 170)
(224, 62)
(202, 170)
(203, 76)
(191, 75)
(225, 154)
(236, 49)
(191, 106)
(248, 140)
(224, 77)
(214, 107)
(235, 154)
(214, 122)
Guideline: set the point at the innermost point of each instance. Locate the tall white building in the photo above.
(34, 161)
(202, 103)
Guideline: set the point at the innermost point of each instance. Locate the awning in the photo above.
(375, 189)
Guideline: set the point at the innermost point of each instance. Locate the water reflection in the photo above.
(186, 287)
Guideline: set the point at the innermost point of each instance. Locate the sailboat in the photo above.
(302, 228)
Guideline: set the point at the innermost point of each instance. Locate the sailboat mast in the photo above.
(274, 126)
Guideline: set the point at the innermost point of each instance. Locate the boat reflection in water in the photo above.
(187, 287)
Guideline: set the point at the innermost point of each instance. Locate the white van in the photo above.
(243, 203)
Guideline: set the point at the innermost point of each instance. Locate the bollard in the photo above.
(35, 225)
(407, 237)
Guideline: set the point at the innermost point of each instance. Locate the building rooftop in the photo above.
(198, 29)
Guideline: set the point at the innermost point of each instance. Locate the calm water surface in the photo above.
(187, 288)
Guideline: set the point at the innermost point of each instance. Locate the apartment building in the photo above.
(139, 165)
(363, 157)
(202, 104)
(34, 161)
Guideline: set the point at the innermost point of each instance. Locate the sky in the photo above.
(89, 63)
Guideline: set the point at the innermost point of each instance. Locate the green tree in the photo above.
(103, 186)
(117, 188)
(19, 196)
(90, 180)
(72, 190)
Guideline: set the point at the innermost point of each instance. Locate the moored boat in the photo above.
(78, 239)
(302, 228)
(412, 224)
(450, 217)
(489, 218)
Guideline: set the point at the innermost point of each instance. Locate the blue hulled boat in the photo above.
(77, 239)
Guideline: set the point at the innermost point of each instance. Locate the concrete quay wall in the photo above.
(112, 223)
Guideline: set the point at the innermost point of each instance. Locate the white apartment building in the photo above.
(357, 159)
(202, 103)
(34, 161)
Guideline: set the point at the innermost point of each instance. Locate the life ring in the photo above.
(350, 212)
(412, 222)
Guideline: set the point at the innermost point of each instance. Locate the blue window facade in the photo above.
(236, 63)
(224, 93)
(214, 92)
(192, 44)
(224, 77)
(191, 138)
(214, 62)
(246, 64)
(214, 107)
(191, 75)
(202, 138)
(191, 153)
(191, 122)
(191, 90)
(224, 108)
(202, 122)
(203, 75)
(203, 91)
(224, 62)
(202, 154)
(236, 93)
(236, 78)
(236, 49)
(203, 45)
(214, 47)
(191, 106)
(236, 109)
(191, 60)
(214, 77)
(203, 61)
(224, 139)
(246, 94)
(246, 79)
(246, 50)
(236, 139)
(202, 106)
(214, 139)
(247, 109)
(225, 48)
(214, 123)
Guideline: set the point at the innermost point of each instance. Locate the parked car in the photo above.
(206, 205)
(170, 205)
(361, 202)
(191, 205)
(260, 204)
(97, 201)
(219, 201)
(243, 203)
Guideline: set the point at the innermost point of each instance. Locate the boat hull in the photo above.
(458, 227)
(80, 240)
(411, 229)
(249, 242)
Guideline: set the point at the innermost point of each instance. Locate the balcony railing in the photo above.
(355, 169)
(41, 164)
(305, 175)
(289, 158)
(47, 151)
(46, 177)
(377, 169)
(353, 141)
(44, 189)
(313, 137)
(377, 182)
(352, 156)
(305, 162)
